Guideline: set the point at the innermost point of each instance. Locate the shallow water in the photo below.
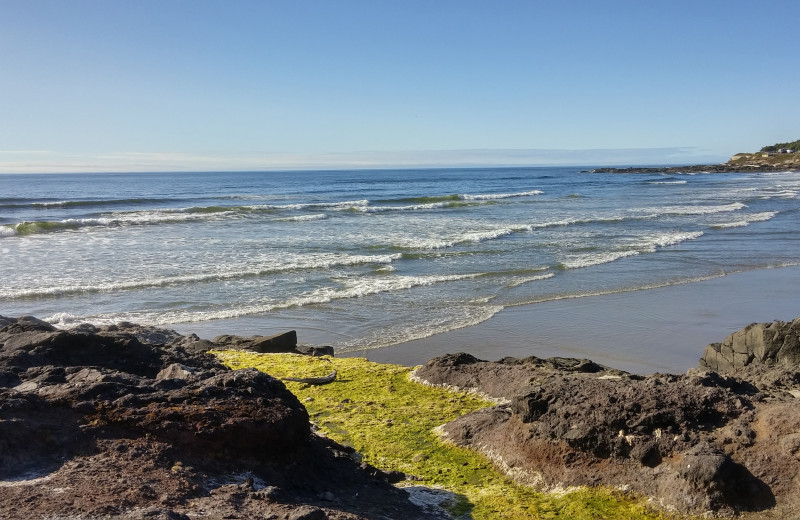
(643, 331)
(367, 259)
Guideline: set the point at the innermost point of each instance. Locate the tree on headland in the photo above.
(794, 145)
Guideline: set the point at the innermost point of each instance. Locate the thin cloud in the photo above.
(43, 161)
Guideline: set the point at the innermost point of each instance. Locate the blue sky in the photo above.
(181, 85)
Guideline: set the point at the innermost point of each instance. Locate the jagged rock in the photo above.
(4, 320)
(136, 422)
(279, 343)
(25, 324)
(174, 371)
(695, 443)
(770, 344)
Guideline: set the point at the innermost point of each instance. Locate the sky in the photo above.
(98, 85)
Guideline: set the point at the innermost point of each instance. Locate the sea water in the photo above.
(371, 258)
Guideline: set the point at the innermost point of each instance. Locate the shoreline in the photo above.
(109, 397)
(642, 331)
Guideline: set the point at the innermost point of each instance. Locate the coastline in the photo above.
(152, 394)
(750, 166)
(644, 331)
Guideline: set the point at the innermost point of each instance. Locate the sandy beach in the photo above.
(655, 330)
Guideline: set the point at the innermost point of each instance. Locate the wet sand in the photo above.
(654, 330)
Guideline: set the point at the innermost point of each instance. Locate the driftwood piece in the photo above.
(324, 380)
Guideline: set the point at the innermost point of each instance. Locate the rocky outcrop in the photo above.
(136, 422)
(279, 343)
(775, 344)
(698, 443)
(738, 163)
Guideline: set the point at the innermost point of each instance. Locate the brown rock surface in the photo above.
(136, 422)
(697, 443)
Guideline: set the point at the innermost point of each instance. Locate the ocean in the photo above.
(365, 259)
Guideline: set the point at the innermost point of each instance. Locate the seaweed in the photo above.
(390, 421)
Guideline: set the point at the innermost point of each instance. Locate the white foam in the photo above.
(527, 279)
(304, 218)
(412, 207)
(434, 322)
(585, 220)
(336, 206)
(754, 217)
(495, 196)
(354, 288)
(118, 219)
(469, 237)
(786, 194)
(698, 210)
(590, 259)
(57, 204)
(360, 287)
(636, 246)
(669, 239)
(304, 262)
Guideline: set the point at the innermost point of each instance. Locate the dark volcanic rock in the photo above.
(279, 343)
(769, 344)
(136, 422)
(242, 413)
(697, 443)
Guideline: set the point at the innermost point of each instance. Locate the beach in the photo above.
(646, 331)
(636, 271)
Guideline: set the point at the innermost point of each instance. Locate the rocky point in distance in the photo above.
(128, 421)
(780, 156)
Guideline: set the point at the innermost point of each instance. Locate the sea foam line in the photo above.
(754, 217)
(639, 245)
(303, 218)
(697, 210)
(414, 207)
(427, 199)
(494, 196)
(453, 319)
(471, 237)
(322, 261)
(622, 290)
(355, 288)
(116, 219)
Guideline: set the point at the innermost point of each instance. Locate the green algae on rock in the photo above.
(391, 422)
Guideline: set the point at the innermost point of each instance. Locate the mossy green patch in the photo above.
(389, 419)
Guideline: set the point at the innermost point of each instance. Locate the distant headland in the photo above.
(779, 156)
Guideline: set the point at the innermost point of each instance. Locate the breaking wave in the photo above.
(354, 288)
(754, 217)
(320, 261)
(697, 210)
(637, 246)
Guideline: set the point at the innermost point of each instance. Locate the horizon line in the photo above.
(51, 162)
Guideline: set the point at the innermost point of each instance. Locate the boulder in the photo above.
(175, 371)
(279, 343)
(25, 324)
(759, 344)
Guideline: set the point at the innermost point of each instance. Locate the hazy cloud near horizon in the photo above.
(90, 85)
(40, 161)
